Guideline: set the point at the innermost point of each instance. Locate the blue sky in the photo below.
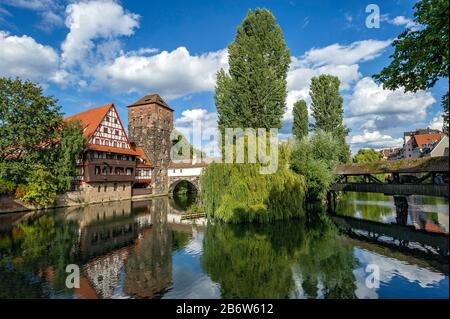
(88, 53)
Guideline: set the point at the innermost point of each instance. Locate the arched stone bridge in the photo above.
(181, 171)
(175, 180)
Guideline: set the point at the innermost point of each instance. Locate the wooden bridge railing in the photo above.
(428, 167)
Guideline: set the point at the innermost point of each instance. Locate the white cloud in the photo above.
(207, 123)
(375, 140)
(336, 59)
(22, 56)
(50, 11)
(32, 4)
(94, 20)
(437, 122)
(402, 20)
(370, 98)
(337, 54)
(173, 74)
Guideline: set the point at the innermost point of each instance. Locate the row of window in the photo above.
(114, 156)
(108, 170)
(115, 187)
(106, 130)
(143, 173)
(99, 141)
(108, 119)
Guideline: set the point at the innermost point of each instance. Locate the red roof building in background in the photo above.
(110, 162)
(423, 141)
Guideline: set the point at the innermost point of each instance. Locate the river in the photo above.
(144, 249)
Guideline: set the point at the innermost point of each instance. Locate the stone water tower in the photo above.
(150, 123)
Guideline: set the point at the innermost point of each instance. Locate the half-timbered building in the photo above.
(111, 167)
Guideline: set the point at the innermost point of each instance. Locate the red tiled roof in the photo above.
(111, 149)
(90, 119)
(141, 154)
(151, 98)
(427, 138)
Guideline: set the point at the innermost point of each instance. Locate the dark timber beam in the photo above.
(394, 189)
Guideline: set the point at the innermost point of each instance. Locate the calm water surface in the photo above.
(146, 250)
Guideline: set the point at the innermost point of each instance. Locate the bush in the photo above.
(21, 190)
(315, 159)
(41, 189)
(237, 193)
(7, 187)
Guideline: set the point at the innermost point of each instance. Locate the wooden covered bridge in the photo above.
(422, 176)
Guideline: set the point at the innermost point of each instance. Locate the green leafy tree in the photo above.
(421, 54)
(328, 111)
(315, 159)
(71, 146)
(367, 156)
(29, 126)
(300, 124)
(42, 188)
(253, 93)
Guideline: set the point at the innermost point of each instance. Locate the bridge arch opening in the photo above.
(184, 194)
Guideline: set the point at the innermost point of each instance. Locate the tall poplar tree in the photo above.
(300, 124)
(328, 111)
(253, 92)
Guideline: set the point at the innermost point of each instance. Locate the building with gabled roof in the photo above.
(111, 166)
(415, 143)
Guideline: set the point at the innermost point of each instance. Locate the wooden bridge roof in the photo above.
(419, 165)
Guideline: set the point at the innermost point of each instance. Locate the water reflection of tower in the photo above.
(149, 264)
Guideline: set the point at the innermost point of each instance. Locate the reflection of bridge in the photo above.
(403, 237)
(398, 184)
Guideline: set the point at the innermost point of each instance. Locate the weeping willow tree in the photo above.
(239, 193)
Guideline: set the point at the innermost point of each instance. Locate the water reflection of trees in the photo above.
(367, 204)
(38, 251)
(260, 261)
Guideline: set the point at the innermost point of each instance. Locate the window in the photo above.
(115, 144)
(97, 170)
(106, 188)
(107, 118)
(99, 189)
(105, 130)
(181, 170)
(97, 141)
(117, 132)
(106, 143)
(115, 186)
(115, 120)
(123, 188)
(123, 145)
